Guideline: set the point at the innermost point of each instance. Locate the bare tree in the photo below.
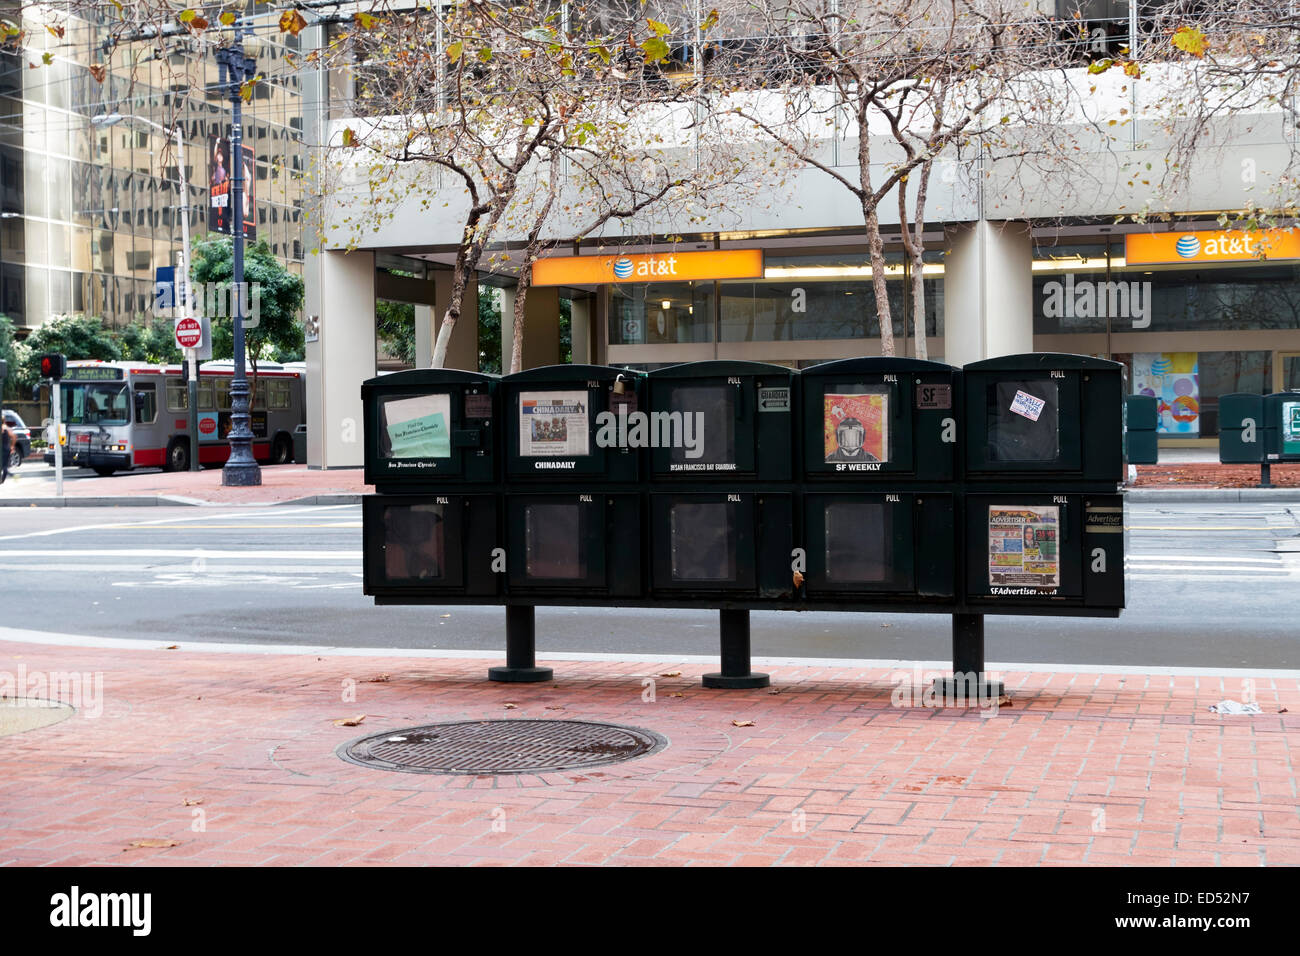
(902, 83)
(1228, 69)
(533, 112)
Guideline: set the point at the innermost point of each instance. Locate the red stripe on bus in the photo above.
(150, 457)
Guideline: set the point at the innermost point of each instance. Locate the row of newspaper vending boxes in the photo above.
(1036, 551)
(1042, 416)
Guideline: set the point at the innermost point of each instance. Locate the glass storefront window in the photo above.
(661, 312)
(1229, 297)
(1188, 385)
(802, 309)
(1290, 372)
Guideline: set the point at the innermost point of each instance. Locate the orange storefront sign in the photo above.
(649, 267)
(1141, 248)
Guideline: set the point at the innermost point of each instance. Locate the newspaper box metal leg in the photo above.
(735, 673)
(968, 683)
(521, 649)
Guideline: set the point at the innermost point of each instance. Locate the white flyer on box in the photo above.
(1028, 406)
(553, 424)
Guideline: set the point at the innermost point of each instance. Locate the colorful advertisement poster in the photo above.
(855, 426)
(1172, 378)
(418, 427)
(553, 424)
(1023, 546)
(220, 183)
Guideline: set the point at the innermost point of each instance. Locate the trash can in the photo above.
(1142, 420)
(300, 445)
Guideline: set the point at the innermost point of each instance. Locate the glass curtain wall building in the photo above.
(87, 213)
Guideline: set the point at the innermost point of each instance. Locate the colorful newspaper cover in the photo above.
(856, 427)
(1023, 546)
(553, 423)
(417, 427)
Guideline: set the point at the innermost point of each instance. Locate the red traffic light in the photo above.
(53, 365)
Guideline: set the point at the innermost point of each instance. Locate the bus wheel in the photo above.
(104, 472)
(282, 450)
(178, 455)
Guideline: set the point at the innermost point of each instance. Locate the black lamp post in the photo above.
(241, 469)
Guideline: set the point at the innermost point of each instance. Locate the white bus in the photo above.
(123, 415)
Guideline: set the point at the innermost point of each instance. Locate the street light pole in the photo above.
(241, 469)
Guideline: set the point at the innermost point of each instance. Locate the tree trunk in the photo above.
(918, 263)
(520, 308)
(875, 243)
(878, 283)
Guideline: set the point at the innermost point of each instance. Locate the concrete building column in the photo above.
(541, 327)
(988, 291)
(340, 288)
(580, 330)
(426, 332)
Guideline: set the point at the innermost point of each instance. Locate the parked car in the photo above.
(22, 439)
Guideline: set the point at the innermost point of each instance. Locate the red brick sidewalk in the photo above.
(279, 483)
(232, 756)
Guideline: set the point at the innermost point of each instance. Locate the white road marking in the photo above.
(288, 512)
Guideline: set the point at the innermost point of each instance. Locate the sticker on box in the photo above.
(1027, 406)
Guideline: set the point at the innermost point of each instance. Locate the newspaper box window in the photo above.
(427, 427)
(709, 543)
(568, 422)
(579, 543)
(427, 547)
(878, 418)
(880, 547)
(1023, 421)
(1044, 414)
(721, 420)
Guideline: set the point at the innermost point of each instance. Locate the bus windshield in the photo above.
(97, 403)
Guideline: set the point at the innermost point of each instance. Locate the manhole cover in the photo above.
(20, 714)
(501, 746)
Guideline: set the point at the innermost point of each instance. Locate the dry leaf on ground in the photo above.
(350, 721)
(742, 723)
(672, 674)
(142, 844)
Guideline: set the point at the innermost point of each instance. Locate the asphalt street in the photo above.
(1208, 585)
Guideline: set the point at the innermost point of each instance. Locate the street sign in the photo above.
(189, 333)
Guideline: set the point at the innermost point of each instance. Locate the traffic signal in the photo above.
(53, 366)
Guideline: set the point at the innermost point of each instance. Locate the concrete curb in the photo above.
(1203, 495)
(341, 498)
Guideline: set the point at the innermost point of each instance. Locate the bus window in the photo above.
(178, 397)
(221, 388)
(103, 403)
(277, 393)
(205, 397)
(146, 403)
(259, 397)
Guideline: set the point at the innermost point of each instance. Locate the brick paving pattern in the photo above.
(233, 757)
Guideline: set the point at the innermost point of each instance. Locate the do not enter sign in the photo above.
(189, 333)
